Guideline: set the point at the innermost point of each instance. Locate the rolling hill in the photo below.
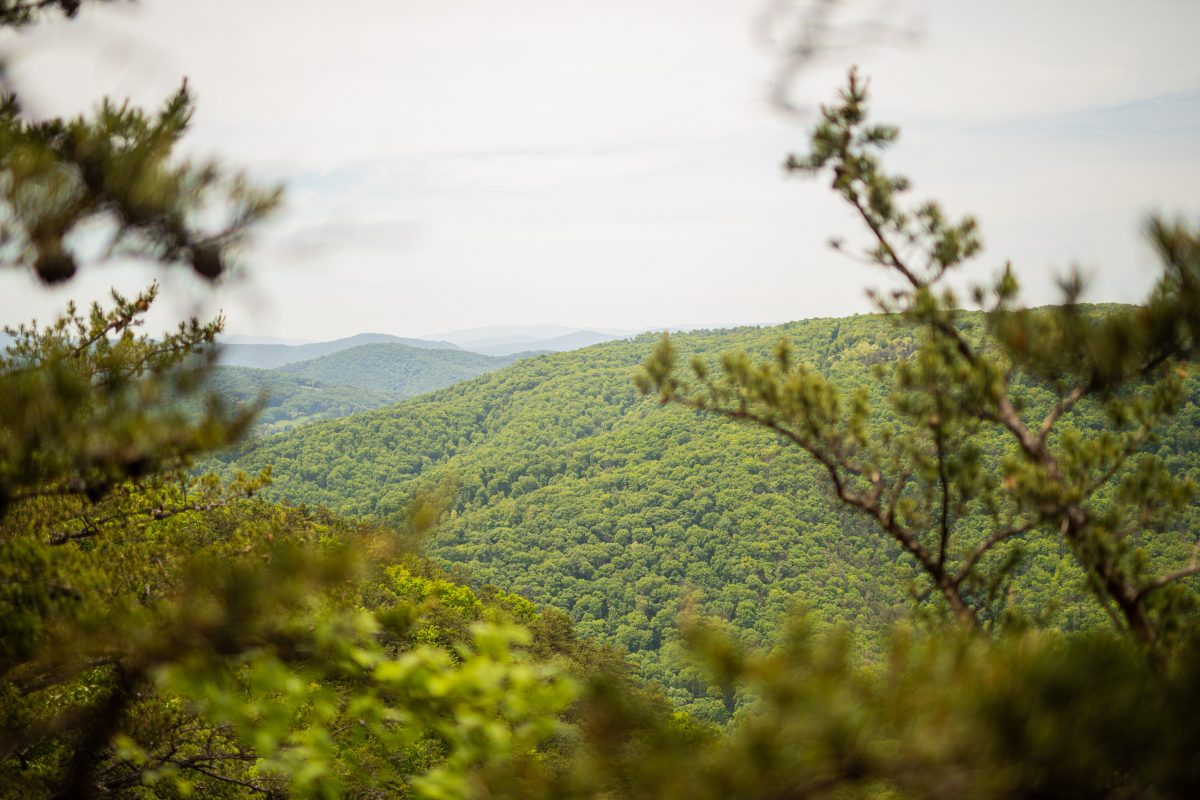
(396, 369)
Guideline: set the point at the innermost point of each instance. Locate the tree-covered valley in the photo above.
(575, 491)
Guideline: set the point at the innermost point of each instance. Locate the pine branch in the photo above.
(1163, 581)
(1003, 535)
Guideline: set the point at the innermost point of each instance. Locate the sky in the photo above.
(617, 163)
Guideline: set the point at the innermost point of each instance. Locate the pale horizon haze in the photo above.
(453, 164)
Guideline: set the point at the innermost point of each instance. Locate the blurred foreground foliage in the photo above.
(170, 631)
(115, 177)
(945, 714)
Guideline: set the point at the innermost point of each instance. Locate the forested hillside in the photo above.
(290, 400)
(575, 491)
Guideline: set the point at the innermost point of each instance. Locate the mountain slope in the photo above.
(575, 491)
(269, 356)
(396, 369)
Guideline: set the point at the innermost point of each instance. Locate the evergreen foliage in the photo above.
(1096, 490)
(116, 168)
(18, 13)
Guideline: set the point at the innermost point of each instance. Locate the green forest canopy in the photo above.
(575, 491)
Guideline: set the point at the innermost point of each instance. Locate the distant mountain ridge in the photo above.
(501, 340)
(514, 332)
(239, 338)
(270, 356)
(399, 370)
(557, 344)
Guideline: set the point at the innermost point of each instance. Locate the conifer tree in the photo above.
(1075, 396)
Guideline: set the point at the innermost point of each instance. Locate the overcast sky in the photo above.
(616, 163)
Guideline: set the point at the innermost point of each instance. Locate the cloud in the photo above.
(1174, 116)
